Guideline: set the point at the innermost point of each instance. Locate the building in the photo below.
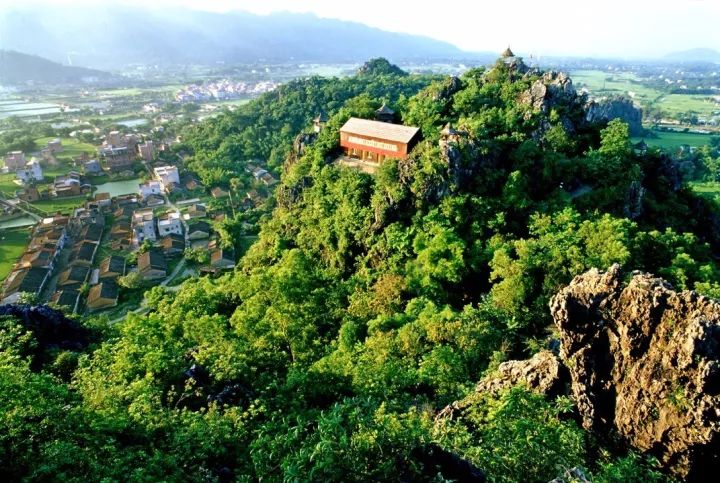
(30, 173)
(198, 231)
(24, 280)
(152, 265)
(91, 233)
(103, 200)
(113, 138)
(111, 268)
(84, 254)
(151, 187)
(222, 259)
(374, 141)
(146, 150)
(143, 225)
(172, 245)
(39, 257)
(69, 298)
(55, 146)
(196, 211)
(67, 185)
(168, 176)
(218, 192)
(73, 276)
(319, 122)
(385, 114)
(15, 160)
(116, 158)
(102, 296)
(169, 223)
(92, 167)
(28, 194)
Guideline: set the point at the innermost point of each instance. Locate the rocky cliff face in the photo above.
(644, 362)
(641, 361)
(616, 108)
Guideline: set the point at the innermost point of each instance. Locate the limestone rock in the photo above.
(606, 110)
(645, 364)
(542, 373)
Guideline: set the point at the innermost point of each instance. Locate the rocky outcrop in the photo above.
(542, 373)
(644, 362)
(552, 89)
(605, 110)
(50, 327)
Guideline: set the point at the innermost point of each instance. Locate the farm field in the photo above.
(71, 147)
(12, 244)
(672, 140)
(61, 205)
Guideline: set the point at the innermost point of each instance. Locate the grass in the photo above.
(671, 140)
(12, 244)
(62, 205)
(71, 148)
(604, 83)
(7, 184)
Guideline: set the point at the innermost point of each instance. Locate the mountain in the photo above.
(18, 68)
(108, 38)
(695, 55)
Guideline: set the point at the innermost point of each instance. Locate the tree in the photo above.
(131, 281)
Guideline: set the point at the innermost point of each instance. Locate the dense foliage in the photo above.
(369, 303)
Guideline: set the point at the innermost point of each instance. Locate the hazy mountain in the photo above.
(695, 55)
(18, 68)
(112, 37)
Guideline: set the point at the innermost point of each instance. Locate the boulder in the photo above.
(644, 361)
(542, 373)
(605, 110)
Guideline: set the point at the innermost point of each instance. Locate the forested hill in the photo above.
(371, 303)
(17, 68)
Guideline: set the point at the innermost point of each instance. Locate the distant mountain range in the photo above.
(695, 55)
(18, 69)
(112, 37)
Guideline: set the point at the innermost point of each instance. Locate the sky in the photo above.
(617, 28)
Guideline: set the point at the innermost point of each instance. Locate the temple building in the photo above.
(374, 141)
(385, 114)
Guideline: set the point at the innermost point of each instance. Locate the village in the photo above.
(108, 247)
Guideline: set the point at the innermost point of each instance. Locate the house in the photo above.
(92, 167)
(28, 194)
(143, 225)
(218, 192)
(374, 141)
(40, 257)
(31, 280)
(15, 160)
(69, 298)
(268, 179)
(30, 173)
(255, 198)
(67, 185)
(102, 296)
(116, 158)
(73, 276)
(172, 245)
(167, 175)
(191, 183)
(199, 230)
(126, 212)
(222, 258)
(85, 217)
(152, 265)
(154, 200)
(91, 233)
(146, 150)
(55, 145)
(103, 200)
(84, 254)
(384, 114)
(196, 211)
(169, 223)
(112, 267)
(319, 122)
(151, 187)
(113, 138)
(121, 228)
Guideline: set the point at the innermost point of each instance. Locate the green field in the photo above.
(7, 185)
(607, 84)
(672, 140)
(71, 148)
(62, 205)
(12, 244)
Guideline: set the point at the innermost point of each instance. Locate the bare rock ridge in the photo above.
(643, 363)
